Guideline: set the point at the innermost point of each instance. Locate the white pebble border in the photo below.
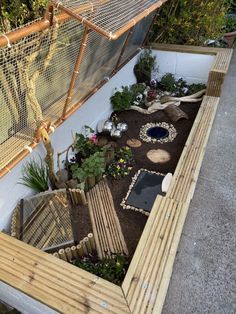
(134, 179)
(172, 132)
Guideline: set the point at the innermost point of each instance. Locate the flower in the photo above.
(121, 160)
(93, 138)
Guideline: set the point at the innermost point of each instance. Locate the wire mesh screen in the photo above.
(46, 221)
(36, 73)
(99, 60)
(110, 16)
(138, 37)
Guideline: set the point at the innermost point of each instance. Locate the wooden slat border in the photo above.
(67, 289)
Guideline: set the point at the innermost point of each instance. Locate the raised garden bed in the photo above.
(150, 270)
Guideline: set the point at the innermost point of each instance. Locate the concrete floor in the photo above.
(204, 275)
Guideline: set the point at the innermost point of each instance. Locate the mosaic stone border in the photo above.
(171, 129)
(124, 205)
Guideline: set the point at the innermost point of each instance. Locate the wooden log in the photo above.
(92, 241)
(55, 254)
(174, 113)
(87, 244)
(62, 255)
(80, 250)
(74, 252)
(69, 254)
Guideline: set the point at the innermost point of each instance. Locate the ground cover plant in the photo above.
(112, 269)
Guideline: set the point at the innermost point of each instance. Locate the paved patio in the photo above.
(204, 275)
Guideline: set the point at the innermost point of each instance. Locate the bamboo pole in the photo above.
(74, 252)
(103, 32)
(92, 241)
(39, 26)
(76, 70)
(62, 254)
(80, 250)
(56, 255)
(68, 254)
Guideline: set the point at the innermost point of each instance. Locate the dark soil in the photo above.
(132, 222)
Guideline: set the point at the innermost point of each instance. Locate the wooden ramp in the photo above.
(105, 223)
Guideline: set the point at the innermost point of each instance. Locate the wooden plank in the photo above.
(142, 282)
(60, 285)
(186, 48)
(105, 223)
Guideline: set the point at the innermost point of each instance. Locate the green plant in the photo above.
(146, 61)
(122, 163)
(230, 23)
(86, 143)
(124, 99)
(35, 176)
(177, 87)
(112, 269)
(194, 88)
(92, 166)
(190, 22)
(19, 12)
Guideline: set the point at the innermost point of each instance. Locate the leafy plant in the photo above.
(35, 176)
(124, 99)
(112, 269)
(19, 12)
(190, 22)
(194, 88)
(91, 166)
(146, 61)
(177, 87)
(230, 23)
(122, 164)
(86, 143)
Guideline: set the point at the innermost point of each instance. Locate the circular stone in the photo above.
(158, 155)
(157, 132)
(134, 143)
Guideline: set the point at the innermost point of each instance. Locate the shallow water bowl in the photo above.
(158, 132)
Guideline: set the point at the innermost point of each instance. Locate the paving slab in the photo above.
(204, 274)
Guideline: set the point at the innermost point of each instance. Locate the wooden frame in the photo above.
(67, 289)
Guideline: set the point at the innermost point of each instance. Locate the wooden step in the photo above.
(105, 223)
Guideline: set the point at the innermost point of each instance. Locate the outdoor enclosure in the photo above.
(49, 67)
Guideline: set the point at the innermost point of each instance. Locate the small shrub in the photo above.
(122, 164)
(122, 100)
(190, 22)
(177, 87)
(194, 88)
(35, 176)
(86, 143)
(112, 269)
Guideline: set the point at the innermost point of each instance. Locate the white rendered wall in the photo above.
(22, 302)
(192, 67)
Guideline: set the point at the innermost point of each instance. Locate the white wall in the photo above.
(193, 68)
(22, 302)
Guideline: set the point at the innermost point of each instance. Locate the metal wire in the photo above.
(111, 15)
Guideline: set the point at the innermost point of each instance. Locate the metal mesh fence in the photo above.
(36, 73)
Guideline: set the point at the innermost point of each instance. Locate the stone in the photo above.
(134, 143)
(158, 155)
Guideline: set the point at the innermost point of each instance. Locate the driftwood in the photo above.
(174, 113)
(161, 104)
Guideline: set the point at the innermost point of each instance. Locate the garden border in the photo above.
(67, 289)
